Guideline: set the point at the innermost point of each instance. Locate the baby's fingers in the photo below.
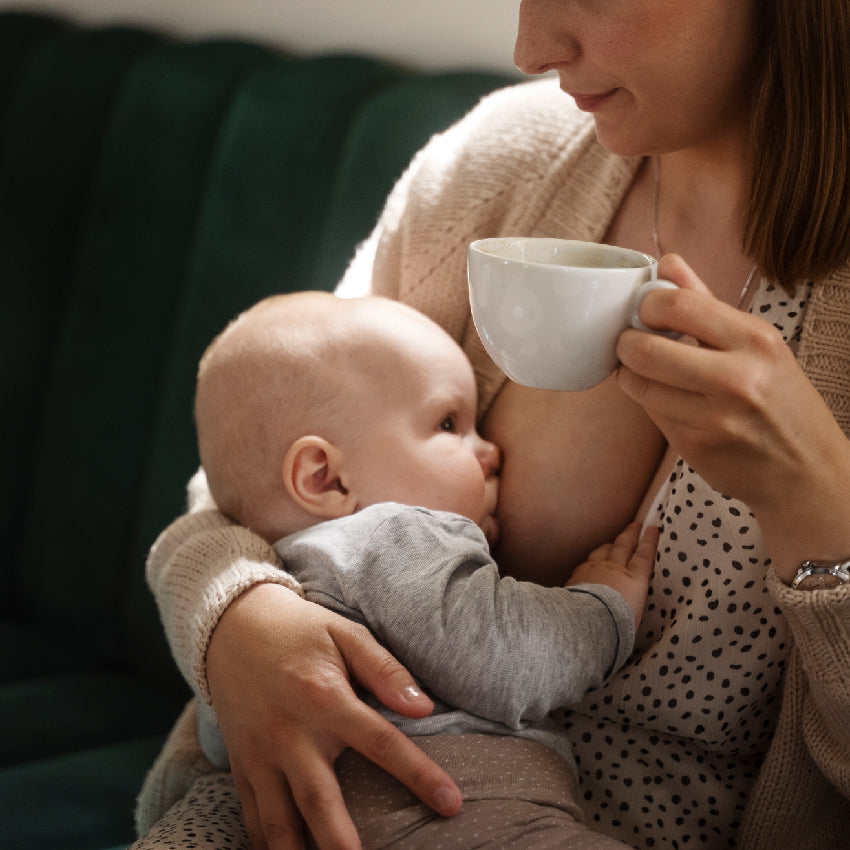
(623, 547)
(643, 558)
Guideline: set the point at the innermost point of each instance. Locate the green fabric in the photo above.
(384, 135)
(137, 234)
(150, 189)
(266, 195)
(20, 34)
(55, 118)
(97, 709)
(29, 653)
(78, 801)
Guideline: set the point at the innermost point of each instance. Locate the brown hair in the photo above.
(798, 218)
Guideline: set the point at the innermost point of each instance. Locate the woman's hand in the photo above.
(739, 409)
(276, 666)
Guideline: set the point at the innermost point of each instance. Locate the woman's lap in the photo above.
(517, 794)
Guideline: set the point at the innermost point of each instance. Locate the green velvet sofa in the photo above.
(150, 189)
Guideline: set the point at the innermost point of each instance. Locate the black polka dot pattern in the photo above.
(209, 817)
(669, 748)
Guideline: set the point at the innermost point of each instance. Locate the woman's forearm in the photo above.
(199, 565)
(820, 625)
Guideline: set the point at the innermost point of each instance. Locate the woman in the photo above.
(718, 130)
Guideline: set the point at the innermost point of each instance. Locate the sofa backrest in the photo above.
(151, 189)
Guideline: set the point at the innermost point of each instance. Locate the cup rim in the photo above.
(478, 246)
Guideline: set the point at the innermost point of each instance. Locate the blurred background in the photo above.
(438, 34)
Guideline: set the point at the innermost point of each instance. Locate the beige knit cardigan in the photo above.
(523, 162)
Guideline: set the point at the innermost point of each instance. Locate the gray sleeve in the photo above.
(426, 585)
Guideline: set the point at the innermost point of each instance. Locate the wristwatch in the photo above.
(820, 575)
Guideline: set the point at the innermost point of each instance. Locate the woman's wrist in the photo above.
(797, 558)
(243, 627)
(821, 575)
(807, 520)
(236, 605)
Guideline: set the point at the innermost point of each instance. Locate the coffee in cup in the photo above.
(549, 311)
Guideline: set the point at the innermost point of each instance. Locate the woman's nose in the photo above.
(541, 43)
(488, 455)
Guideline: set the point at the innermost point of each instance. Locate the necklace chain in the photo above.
(657, 239)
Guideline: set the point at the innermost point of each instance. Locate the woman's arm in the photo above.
(274, 667)
(820, 624)
(742, 412)
(279, 674)
(803, 787)
(196, 568)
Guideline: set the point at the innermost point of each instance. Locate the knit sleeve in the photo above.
(196, 568)
(820, 625)
(802, 794)
(509, 167)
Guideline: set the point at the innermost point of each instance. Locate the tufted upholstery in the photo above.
(150, 189)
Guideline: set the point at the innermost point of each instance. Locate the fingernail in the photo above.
(413, 693)
(446, 800)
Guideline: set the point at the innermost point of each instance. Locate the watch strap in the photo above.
(821, 575)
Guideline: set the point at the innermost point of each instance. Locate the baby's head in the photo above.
(311, 407)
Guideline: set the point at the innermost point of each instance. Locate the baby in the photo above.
(343, 431)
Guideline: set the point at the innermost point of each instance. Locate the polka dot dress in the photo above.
(669, 748)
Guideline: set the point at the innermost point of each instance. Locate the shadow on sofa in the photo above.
(150, 189)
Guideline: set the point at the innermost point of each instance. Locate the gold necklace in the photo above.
(656, 239)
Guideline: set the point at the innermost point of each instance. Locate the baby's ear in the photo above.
(313, 477)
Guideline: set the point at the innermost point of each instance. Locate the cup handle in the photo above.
(642, 291)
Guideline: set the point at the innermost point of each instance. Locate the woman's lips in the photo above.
(591, 102)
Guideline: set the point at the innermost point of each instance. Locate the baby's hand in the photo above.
(624, 565)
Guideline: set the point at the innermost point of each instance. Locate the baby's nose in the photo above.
(489, 456)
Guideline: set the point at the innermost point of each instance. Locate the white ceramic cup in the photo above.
(549, 311)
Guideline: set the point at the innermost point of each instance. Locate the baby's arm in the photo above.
(506, 650)
(624, 565)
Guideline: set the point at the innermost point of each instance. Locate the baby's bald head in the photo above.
(289, 366)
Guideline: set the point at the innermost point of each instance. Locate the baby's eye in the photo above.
(448, 424)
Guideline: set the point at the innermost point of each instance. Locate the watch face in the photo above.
(819, 581)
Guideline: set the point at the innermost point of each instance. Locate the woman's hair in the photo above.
(798, 220)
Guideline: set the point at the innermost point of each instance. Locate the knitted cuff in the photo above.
(820, 623)
(239, 576)
(196, 568)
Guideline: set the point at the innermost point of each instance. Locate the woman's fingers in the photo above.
(250, 812)
(382, 743)
(318, 796)
(695, 316)
(271, 817)
(287, 711)
(379, 672)
(692, 310)
(376, 738)
(315, 791)
(731, 370)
